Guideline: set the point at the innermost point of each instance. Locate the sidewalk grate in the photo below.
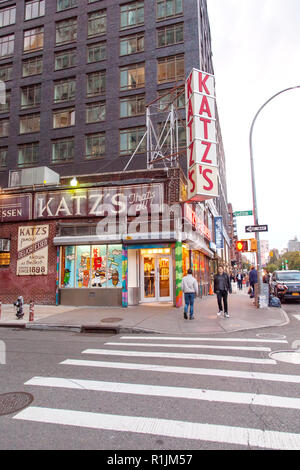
(14, 401)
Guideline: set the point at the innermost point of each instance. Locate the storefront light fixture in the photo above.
(74, 182)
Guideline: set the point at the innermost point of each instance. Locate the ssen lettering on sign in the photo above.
(201, 136)
(15, 207)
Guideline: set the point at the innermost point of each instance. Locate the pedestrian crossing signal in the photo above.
(242, 246)
(253, 242)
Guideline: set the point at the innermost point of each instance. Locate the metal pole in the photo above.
(255, 211)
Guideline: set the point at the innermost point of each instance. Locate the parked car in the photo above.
(286, 285)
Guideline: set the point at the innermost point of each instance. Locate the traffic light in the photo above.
(242, 246)
(253, 242)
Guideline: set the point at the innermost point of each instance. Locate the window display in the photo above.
(91, 266)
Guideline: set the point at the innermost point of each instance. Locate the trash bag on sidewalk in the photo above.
(274, 301)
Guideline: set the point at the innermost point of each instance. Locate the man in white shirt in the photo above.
(190, 290)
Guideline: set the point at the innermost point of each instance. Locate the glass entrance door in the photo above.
(156, 278)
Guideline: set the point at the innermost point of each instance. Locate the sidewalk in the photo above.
(160, 318)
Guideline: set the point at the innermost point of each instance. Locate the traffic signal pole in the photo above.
(255, 211)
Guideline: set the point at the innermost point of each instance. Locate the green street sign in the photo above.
(242, 213)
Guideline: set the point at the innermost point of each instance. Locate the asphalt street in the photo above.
(152, 392)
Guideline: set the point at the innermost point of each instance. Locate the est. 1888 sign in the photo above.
(201, 136)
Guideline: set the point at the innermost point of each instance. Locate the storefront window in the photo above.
(91, 266)
(114, 265)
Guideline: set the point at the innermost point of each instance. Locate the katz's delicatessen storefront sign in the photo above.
(201, 137)
(32, 258)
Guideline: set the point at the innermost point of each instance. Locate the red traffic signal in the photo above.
(242, 246)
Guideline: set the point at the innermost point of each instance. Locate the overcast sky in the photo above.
(256, 53)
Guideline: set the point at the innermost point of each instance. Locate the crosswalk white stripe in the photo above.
(164, 427)
(194, 338)
(185, 370)
(297, 317)
(172, 392)
(193, 346)
(162, 355)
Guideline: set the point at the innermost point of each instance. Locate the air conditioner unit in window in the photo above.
(33, 176)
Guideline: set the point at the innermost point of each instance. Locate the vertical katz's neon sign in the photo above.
(201, 136)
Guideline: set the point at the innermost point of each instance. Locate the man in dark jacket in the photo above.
(253, 279)
(222, 286)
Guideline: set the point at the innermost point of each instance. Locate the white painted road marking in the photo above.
(172, 392)
(183, 356)
(185, 370)
(164, 427)
(185, 338)
(193, 346)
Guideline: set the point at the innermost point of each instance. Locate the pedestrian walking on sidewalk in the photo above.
(253, 279)
(222, 286)
(190, 290)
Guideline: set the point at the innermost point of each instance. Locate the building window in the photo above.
(132, 44)
(6, 72)
(4, 248)
(177, 97)
(96, 52)
(64, 90)
(130, 139)
(169, 35)
(34, 9)
(31, 96)
(33, 39)
(7, 16)
(96, 23)
(132, 106)
(63, 150)
(96, 83)
(168, 8)
(95, 112)
(7, 45)
(3, 157)
(30, 123)
(65, 4)
(95, 145)
(4, 107)
(132, 14)
(132, 76)
(4, 127)
(65, 59)
(66, 31)
(171, 69)
(63, 118)
(33, 66)
(28, 154)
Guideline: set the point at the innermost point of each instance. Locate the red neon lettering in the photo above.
(191, 175)
(208, 147)
(205, 122)
(190, 110)
(191, 150)
(189, 86)
(190, 126)
(202, 83)
(204, 108)
(210, 183)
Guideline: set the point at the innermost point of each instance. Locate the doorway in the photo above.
(156, 276)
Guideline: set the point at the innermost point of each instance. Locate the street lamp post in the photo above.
(255, 211)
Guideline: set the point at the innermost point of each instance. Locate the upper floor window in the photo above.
(64, 90)
(65, 4)
(6, 72)
(132, 14)
(132, 76)
(4, 107)
(132, 44)
(130, 139)
(34, 9)
(31, 96)
(66, 31)
(169, 35)
(28, 154)
(7, 45)
(65, 59)
(33, 39)
(168, 8)
(96, 23)
(132, 106)
(7, 16)
(4, 127)
(171, 69)
(3, 157)
(96, 83)
(32, 66)
(96, 52)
